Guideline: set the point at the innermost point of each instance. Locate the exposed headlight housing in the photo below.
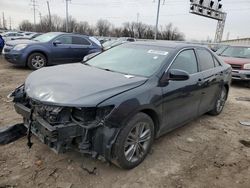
(20, 47)
(92, 113)
(246, 66)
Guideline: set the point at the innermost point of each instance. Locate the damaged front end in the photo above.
(62, 128)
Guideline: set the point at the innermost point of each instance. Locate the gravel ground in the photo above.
(205, 153)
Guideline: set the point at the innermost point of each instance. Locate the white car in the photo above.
(11, 36)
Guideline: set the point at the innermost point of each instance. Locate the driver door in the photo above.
(181, 98)
(62, 51)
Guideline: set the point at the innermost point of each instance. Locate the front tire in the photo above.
(220, 102)
(36, 61)
(134, 141)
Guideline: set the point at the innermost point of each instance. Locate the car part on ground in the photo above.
(119, 101)
(52, 48)
(11, 133)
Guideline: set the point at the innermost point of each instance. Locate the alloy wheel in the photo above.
(221, 101)
(137, 142)
(37, 62)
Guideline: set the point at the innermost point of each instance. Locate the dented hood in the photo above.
(77, 85)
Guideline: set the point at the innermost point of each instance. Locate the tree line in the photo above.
(103, 28)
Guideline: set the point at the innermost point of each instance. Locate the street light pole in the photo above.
(67, 16)
(157, 19)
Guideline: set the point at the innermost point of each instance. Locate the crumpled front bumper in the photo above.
(62, 137)
(53, 136)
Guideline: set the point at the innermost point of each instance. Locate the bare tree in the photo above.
(26, 26)
(103, 27)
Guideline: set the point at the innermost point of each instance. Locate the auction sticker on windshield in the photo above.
(158, 52)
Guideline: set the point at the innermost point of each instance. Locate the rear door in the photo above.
(62, 52)
(181, 99)
(210, 79)
(81, 47)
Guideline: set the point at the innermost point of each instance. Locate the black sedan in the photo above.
(118, 102)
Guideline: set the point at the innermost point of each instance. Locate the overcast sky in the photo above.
(120, 11)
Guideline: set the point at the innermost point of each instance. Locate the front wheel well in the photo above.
(153, 115)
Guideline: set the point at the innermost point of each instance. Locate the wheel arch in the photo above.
(153, 115)
(37, 51)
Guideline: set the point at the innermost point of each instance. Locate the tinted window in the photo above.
(206, 60)
(80, 41)
(65, 39)
(186, 61)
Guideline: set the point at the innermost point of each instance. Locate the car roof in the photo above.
(168, 44)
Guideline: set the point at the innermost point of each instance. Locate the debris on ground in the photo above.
(11, 133)
(243, 99)
(218, 164)
(190, 140)
(245, 143)
(245, 123)
(92, 172)
(64, 185)
(38, 162)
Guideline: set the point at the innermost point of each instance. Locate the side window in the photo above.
(80, 41)
(206, 60)
(216, 62)
(65, 39)
(186, 61)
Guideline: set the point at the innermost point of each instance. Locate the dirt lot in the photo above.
(204, 153)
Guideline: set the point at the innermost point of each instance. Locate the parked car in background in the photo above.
(49, 49)
(239, 59)
(7, 36)
(108, 45)
(1, 44)
(118, 102)
(29, 36)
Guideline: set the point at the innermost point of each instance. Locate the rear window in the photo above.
(206, 59)
(80, 41)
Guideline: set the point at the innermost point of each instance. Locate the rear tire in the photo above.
(134, 141)
(220, 102)
(36, 61)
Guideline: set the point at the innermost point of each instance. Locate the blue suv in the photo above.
(50, 48)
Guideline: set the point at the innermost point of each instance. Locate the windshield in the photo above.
(238, 52)
(45, 37)
(131, 59)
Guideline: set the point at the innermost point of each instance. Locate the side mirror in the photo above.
(173, 74)
(56, 42)
(178, 75)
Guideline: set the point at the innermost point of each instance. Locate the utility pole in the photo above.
(4, 23)
(34, 12)
(137, 15)
(67, 15)
(10, 22)
(50, 25)
(157, 19)
(40, 15)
